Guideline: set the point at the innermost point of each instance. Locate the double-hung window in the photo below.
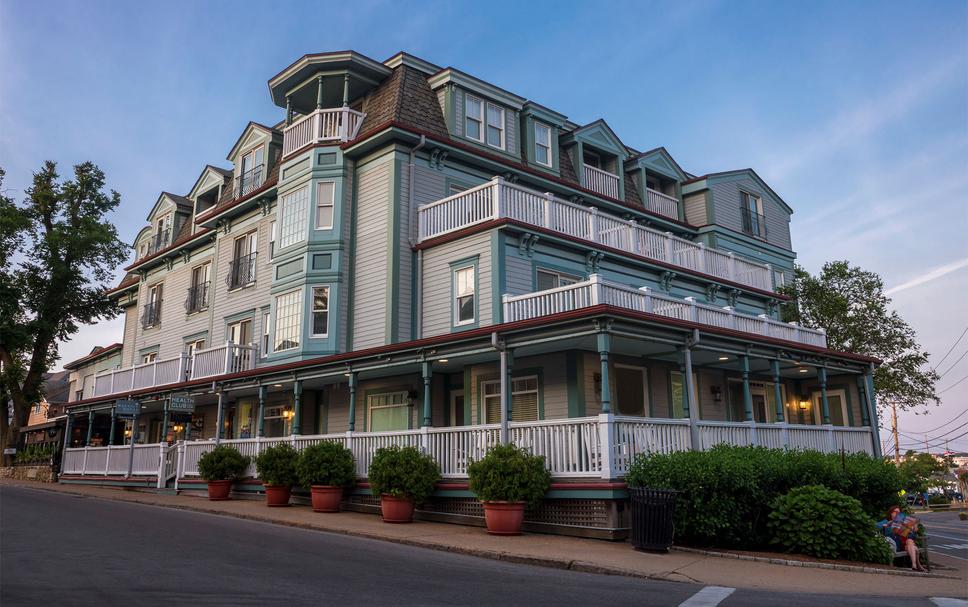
(295, 216)
(464, 295)
(524, 399)
(240, 332)
(549, 279)
(473, 118)
(325, 191)
(265, 334)
(542, 144)
(149, 357)
(288, 321)
(495, 126)
(320, 311)
(388, 411)
(194, 346)
(272, 239)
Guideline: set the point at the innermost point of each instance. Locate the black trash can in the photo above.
(652, 526)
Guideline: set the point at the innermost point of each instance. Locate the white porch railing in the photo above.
(600, 181)
(660, 203)
(332, 124)
(147, 375)
(601, 446)
(596, 290)
(227, 358)
(498, 199)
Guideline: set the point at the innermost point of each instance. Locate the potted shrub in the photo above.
(220, 467)
(326, 468)
(276, 466)
(506, 480)
(402, 477)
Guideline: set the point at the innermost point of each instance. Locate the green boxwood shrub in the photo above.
(35, 454)
(724, 494)
(403, 472)
(507, 473)
(326, 463)
(276, 465)
(824, 523)
(223, 463)
(938, 499)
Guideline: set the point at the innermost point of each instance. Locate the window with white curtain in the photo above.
(288, 321)
(294, 220)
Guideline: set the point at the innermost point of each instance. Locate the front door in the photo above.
(631, 390)
(457, 408)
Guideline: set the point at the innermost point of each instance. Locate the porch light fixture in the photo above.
(442, 361)
(803, 405)
(804, 370)
(287, 413)
(347, 374)
(723, 358)
(276, 385)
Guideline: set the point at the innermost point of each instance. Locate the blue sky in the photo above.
(856, 113)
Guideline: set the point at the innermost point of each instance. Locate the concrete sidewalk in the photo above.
(617, 558)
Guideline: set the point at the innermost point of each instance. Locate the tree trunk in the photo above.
(10, 431)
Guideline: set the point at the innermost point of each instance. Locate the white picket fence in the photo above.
(498, 199)
(601, 446)
(597, 290)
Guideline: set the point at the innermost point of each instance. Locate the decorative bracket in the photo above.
(223, 226)
(592, 261)
(665, 280)
(186, 256)
(169, 262)
(711, 290)
(266, 205)
(510, 177)
(731, 296)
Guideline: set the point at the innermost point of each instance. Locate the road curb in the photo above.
(812, 564)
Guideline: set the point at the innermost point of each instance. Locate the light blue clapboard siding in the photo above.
(371, 272)
(438, 287)
(726, 199)
(517, 272)
(344, 265)
(428, 186)
(128, 349)
(695, 207)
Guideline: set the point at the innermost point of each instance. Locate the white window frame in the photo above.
(479, 118)
(294, 217)
(559, 276)
(539, 144)
(230, 329)
(314, 311)
(272, 238)
(266, 336)
(817, 397)
(194, 346)
(297, 316)
(149, 357)
(502, 128)
(401, 394)
(253, 154)
(331, 205)
(458, 295)
(485, 397)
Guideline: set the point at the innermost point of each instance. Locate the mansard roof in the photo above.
(405, 97)
(96, 353)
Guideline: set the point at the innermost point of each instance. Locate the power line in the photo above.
(934, 438)
(945, 441)
(946, 423)
(952, 348)
(953, 365)
(954, 384)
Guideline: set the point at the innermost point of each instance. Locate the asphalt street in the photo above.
(946, 534)
(62, 549)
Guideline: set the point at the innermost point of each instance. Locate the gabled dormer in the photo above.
(208, 188)
(142, 243)
(253, 156)
(166, 219)
(479, 113)
(658, 178)
(598, 156)
(540, 128)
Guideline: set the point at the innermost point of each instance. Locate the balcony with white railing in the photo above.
(662, 204)
(498, 199)
(600, 181)
(596, 291)
(332, 125)
(220, 360)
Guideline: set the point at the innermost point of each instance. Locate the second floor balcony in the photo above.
(498, 199)
(241, 272)
(151, 314)
(330, 125)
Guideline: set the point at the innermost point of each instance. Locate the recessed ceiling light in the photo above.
(723, 358)
(804, 370)
(442, 361)
(347, 374)
(276, 385)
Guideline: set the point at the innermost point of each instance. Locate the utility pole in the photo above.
(897, 444)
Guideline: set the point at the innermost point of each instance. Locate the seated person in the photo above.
(901, 529)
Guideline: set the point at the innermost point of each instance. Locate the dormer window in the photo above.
(484, 122)
(250, 175)
(495, 126)
(542, 144)
(591, 159)
(754, 223)
(474, 118)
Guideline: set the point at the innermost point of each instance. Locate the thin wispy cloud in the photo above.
(929, 276)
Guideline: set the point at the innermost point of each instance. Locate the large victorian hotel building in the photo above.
(415, 256)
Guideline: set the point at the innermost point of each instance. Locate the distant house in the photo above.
(46, 421)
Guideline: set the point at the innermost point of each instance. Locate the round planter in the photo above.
(504, 518)
(326, 498)
(396, 509)
(277, 495)
(219, 490)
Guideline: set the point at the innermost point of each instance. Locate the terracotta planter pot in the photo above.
(326, 498)
(219, 490)
(504, 518)
(396, 509)
(277, 495)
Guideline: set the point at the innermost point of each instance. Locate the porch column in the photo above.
(352, 382)
(872, 401)
(604, 346)
(777, 392)
(90, 427)
(687, 386)
(686, 410)
(164, 422)
(747, 395)
(505, 389)
(262, 412)
(509, 385)
(319, 92)
(427, 413)
(346, 89)
(862, 391)
(288, 111)
(220, 418)
(67, 430)
(114, 418)
(296, 406)
(824, 405)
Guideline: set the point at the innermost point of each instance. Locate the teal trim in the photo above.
(747, 394)
(498, 276)
(458, 265)
(351, 424)
(297, 407)
(261, 428)
(385, 390)
(537, 266)
(777, 391)
(351, 280)
(149, 350)
(244, 315)
(604, 345)
(862, 392)
(824, 403)
(195, 337)
(467, 397)
(427, 376)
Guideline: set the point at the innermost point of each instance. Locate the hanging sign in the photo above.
(182, 404)
(127, 408)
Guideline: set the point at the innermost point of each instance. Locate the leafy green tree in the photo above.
(920, 471)
(849, 304)
(58, 254)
